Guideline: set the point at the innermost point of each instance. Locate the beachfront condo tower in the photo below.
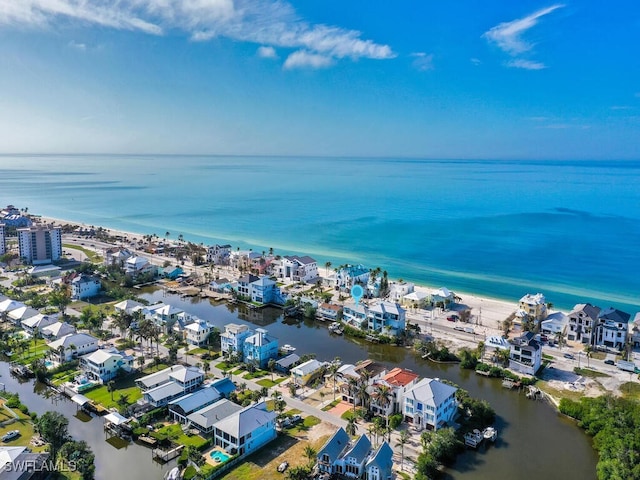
(40, 245)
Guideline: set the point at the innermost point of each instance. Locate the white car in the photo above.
(283, 466)
(10, 435)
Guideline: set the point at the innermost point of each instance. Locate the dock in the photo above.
(506, 383)
(475, 438)
(166, 455)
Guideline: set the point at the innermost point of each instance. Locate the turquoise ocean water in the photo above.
(569, 229)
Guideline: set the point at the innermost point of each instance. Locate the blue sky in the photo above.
(464, 79)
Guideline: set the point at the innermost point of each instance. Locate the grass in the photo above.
(558, 393)
(224, 365)
(256, 374)
(198, 351)
(630, 390)
(267, 382)
(599, 355)
(547, 357)
(328, 407)
(306, 424)
(122, 386)
(91, 255)
(175, 432)
(587, 372)
(25, 427)
(349, 414)
(32, 353)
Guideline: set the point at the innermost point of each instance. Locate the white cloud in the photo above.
(267, 52)
(526, 64)
(423, 62)
(77, 46)
(475, 61)
(621, 107)
(306, 59)
(507, 35)
(271, 23)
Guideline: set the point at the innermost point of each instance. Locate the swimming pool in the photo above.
(219, 456)
(48, 363)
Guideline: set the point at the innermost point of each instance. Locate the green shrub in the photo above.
(395, 420)
(189, 473)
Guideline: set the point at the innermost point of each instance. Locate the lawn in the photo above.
(267, 382)
(256, 374)
(25, 428)
(557, 393)
(630, 390)
(306, 424)
(32, 353)
(349, 414)
(175, 433)
(587, 372)
(326, 408)
(125, 386)
(91, 255)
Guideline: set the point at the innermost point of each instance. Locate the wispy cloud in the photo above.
(270, 23)
(621, 107)
(267, 52)
(306, 59)
(508, 36)
(422, 62)
(77, 45)
(476, 61)
(525, 64)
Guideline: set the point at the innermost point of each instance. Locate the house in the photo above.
(330, 452)
(355, 315)
(381, 317)
(85, 286)
(415, 300)
(127, 306)
(398, 290)
(351, 463)
(265, 291)
(243, 259)
(285, 364)
(582, 320)
(347, 373)
(39, 271)
(164, 315)
(19, 463)
(197, 333)
(555, 323)
(205, 418)
(532, 307)
(57, 330)
(612, 328)
(348, 275)
(159, 388)
(233, 337)
(116, 256)
(135, 266)
(219, 254)
(259, 348)
(244, 282)
(40, 244)
(171, 272)
(7, 306)
(399, 381)
(3, 243)
(430, 404)
(104, 365)
(220, 285)
(307, 372)
(23, 313)
(329, 312)
(442, 296)
(182, 407)
(634, 330)
(37, 323)
(525, 355)
(379, 466)
(72, 346)
(246, 430)
(299, 269)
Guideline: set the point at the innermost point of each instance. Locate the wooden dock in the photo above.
(166, 455)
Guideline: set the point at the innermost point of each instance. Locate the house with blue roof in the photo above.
(185, 405)
(331, 451)
(380, 464)
(351, 463)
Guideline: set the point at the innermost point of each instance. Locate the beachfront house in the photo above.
(159, 388)
(259, 348)
(399, 381)
(532, 308)
(85, 286)
(305, 373)
(72, 346)
(341, 457)
(298, 269)
(197, 333)
(582, 320)
(415, 300)
(57, 330)
(243, 259)
(265, 291)
(346, 276)
(218, 254)
(612, 328)
(634, 331)
(329, 312)
(556, 323)
(246, 430)
(398, 290)
(525, 355)
(233, 337)
(104, 365)
(430, 404)
(442, 297)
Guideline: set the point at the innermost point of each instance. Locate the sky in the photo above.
(410, 78)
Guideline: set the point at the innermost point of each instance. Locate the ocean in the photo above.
(568, 229)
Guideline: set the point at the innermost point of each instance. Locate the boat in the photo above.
(173, 474)
(21, 371)
(336, 328)
(490, 434)
(288, 348)
(473, 439)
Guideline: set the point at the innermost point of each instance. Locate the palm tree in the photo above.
(111, 387)
(327, 266)
(206, 367)
(588, 350)
(310, 453)
(271, 365)
(351, 426)
(384, 396)
(404, 438)
(352, 385)
(560, 338)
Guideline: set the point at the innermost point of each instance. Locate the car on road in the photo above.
(569, 356)
(453, 318)
(469, 330)
(608, 361)
(10, 435)
(459, 328)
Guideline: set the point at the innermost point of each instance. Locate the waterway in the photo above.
(534, 440)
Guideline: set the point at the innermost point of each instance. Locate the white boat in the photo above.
(490, 433)
(288, 348)
(173, 474)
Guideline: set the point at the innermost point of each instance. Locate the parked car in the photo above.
(469, 330)
(569, 356)
(453, 318)
(459, 327)
(283, 466)
(608, 361)
(295, 418)
(10, 435)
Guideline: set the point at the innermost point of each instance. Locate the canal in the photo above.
(534, 440)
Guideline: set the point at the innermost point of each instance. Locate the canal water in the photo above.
(534, 440)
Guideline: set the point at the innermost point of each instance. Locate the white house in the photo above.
(116, 256)
(136, 265)
(219, 254)
(159, 388)
(381, 317)
(18, 315)
(7, 306)
(634, 330)
(298, 269)
(612, 328)
(525, 355)
(232, 339)
(164, 315)
(430, 404)
(415, 299)
(57, 330)
(307, 372)
(352, 461)
(104, 365)
(399, 381)
(74, 345)
(38, 322)
(398, 290)
(197, 333)
(246, 430)
(348, 275)
(85, 286)
(329, 312)
(127, 306)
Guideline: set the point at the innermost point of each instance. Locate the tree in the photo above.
(292, 389)
(402, 441)
(310, 453)
(140, 361)
(384, 397)
(123, 402)
(333, 372)
(60, 297)
(560, 338)
(327, 266)
(79, 457)
(351, 426)
(111, 386)
(271, 365)
(53, 428)
(206, 367)
(589, 351)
